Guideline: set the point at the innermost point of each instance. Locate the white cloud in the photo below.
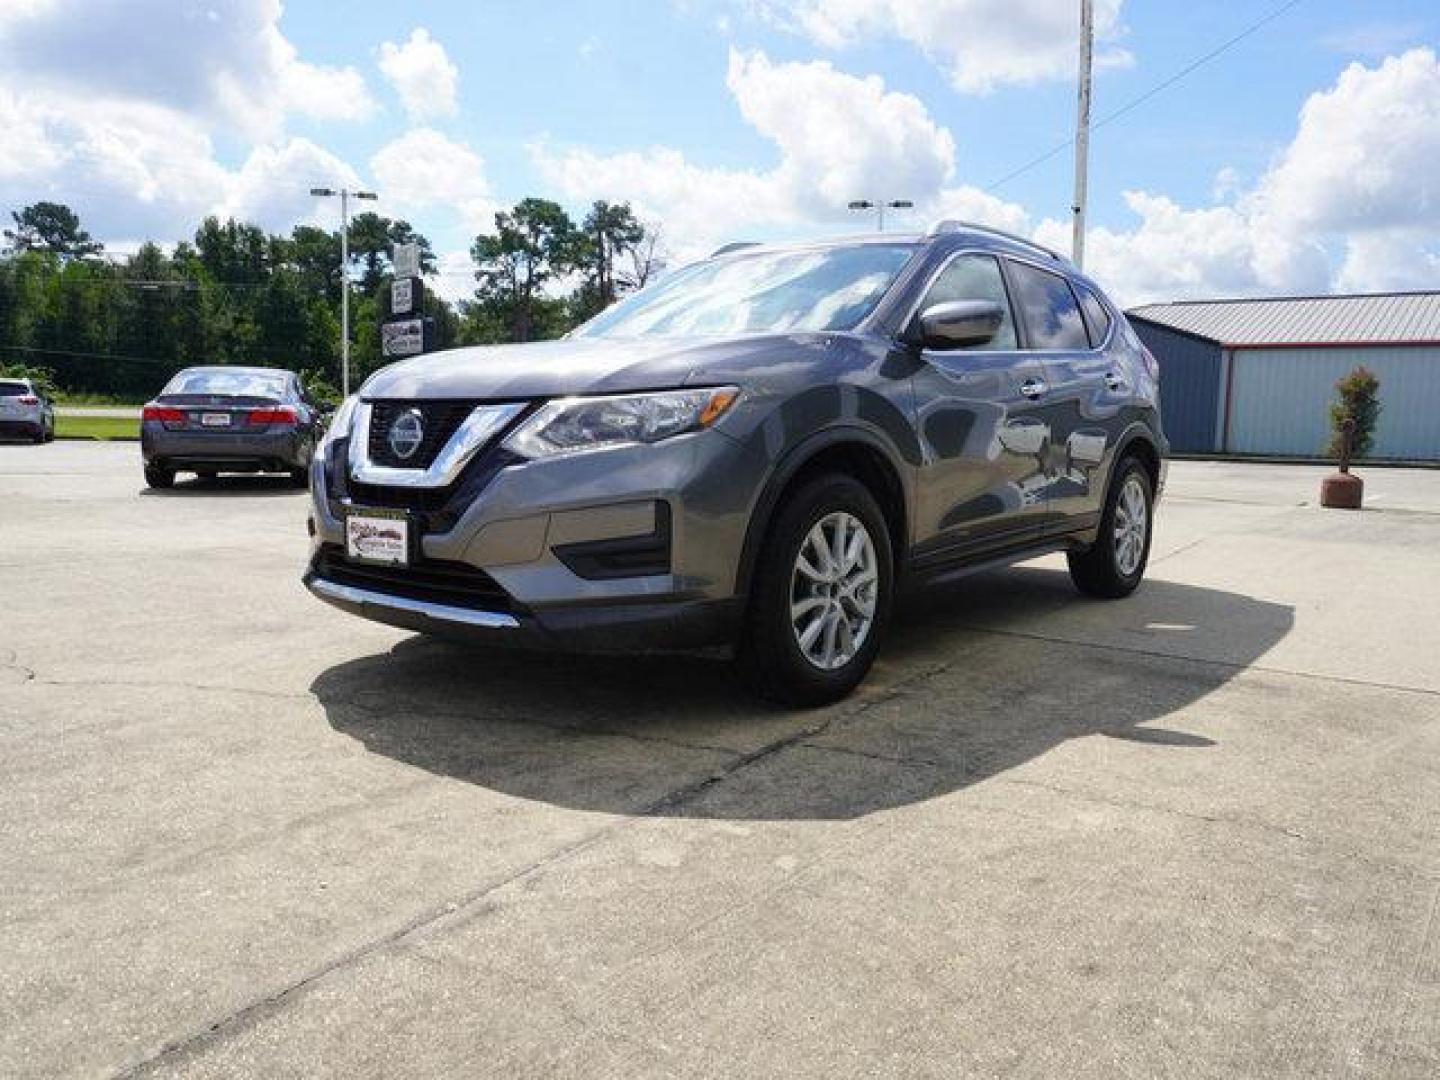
(424, 170)
(272, 188)
(983, 44)
(887, 147)
(225, 61)
(422, 74)
(128, 136)
(1353, 202)
(839, 137)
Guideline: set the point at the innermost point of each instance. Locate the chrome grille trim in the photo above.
(477, 429)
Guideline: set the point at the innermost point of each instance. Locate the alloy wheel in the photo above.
(1132, 523)
(833, 591)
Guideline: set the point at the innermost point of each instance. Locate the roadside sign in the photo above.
(404, 337)
(406, 260)
(402, 296)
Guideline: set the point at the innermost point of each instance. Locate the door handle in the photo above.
(1034, 388)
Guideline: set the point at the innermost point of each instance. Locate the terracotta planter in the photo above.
(1342, 491)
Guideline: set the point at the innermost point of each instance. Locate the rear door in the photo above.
(984, 439)
(1080, 407)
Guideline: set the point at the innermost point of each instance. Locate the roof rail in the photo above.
(738, 245)
(951, 225)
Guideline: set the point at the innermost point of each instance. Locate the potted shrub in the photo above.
(1353, 415)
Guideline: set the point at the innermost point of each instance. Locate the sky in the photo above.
(1304, 158)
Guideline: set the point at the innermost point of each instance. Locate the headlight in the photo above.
(574, 424)
(339, 425)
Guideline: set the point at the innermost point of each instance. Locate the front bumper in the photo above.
(624, 628)
(617, 550)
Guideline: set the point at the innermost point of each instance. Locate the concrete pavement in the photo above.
(1195, 833)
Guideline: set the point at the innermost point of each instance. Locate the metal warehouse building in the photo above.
(1258, 376)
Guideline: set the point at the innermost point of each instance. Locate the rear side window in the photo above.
(975, 277)
(13, 389)
(1097, 319)
(1048, 306)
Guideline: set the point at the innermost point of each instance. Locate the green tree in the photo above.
(373, 239)
(609, 233)
(1357, 403)
(533, 245)
(52, 227)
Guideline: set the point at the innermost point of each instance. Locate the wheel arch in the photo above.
(853, 450)
(1138, 442)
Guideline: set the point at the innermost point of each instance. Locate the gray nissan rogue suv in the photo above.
(757, 451)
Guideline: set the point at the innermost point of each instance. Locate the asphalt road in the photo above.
(1193, 834)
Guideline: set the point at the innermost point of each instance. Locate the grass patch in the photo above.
(97, 427)
(86, 399)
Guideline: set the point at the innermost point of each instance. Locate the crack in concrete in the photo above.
(435, 917)
(1395, 869)
(1229, 665)
(1137, 804)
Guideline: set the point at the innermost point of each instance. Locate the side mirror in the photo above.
(958, 323)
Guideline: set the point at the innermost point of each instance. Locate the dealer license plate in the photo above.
(378, 536)
(215, 419)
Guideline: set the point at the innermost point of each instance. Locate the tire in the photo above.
(1114, 565)
(300, 477)
(39, 437)
(158, 477)
(771, 657)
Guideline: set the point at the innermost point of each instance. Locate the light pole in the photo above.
(345, 196)
(1082, 130)
(881, 207)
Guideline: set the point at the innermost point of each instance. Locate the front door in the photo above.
(984, 438)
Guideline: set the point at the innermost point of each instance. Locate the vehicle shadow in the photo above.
(624, 734)
(239, 485)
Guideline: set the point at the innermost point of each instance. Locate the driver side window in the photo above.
(975, 277)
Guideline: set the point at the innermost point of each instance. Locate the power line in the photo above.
(1158, 88)
(87, 355)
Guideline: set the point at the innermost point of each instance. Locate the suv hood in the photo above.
(580, 366)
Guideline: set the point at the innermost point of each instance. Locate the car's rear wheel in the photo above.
(300, 477)
(823, 588)
(1115, 564)
(157, 476)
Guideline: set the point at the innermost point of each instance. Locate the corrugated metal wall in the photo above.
(1190, 387)
(1280, 399)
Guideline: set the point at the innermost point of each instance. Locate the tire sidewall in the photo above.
(1129, 467)
(772, 628)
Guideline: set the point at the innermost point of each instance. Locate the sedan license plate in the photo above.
(378, 536)
(215, 419)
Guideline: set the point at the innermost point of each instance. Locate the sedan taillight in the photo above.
(282, 415)
(167, 414)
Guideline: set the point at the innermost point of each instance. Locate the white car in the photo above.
(25, 411)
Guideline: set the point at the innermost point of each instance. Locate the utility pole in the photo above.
(345, 196)
(880, 207)
(1082, 129)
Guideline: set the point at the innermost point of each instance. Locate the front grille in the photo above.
(431, 580)
(441, 420)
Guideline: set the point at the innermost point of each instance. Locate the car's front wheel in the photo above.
(823, 588)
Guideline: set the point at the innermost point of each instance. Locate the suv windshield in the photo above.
(778, 291)
(233, 383)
